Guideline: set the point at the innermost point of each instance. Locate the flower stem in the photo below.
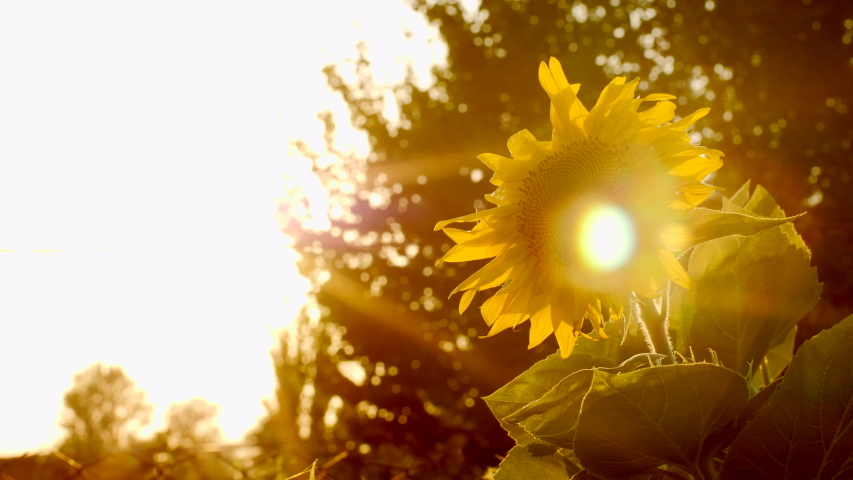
(655, 326)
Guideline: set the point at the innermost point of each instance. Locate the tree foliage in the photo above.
(105, 409)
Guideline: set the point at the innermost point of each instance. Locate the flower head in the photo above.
(582, 221)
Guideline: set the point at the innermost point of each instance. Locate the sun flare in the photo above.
(607, 239)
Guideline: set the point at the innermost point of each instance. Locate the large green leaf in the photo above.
(763, 203)
(806, 431)
(723, 437)
(538, 462)
(702, 225)
(741, 196)
(537, 380)
(660, 415)
(532, 385)
(743, 311)
(748, 293)
(553, 417)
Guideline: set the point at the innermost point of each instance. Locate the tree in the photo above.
(191, 424)
(104, 410)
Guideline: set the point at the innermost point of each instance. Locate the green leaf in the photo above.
(586, 475)
(537, 380)
(519, 435)
(806, 430)
(775, 360)
(723, 437)
(748, 293)
(762, 203)
(554, 416)
(702, 225)
(538, 462)
(747, 306)
(660, 415)
(742, 195)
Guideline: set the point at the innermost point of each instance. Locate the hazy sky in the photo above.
(144, 146)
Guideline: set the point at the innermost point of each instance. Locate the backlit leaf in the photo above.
(762, 203)
(660, 415)
(537, 380)
(702, 225)
(742, 312)
(748, 293)
(775, 360)
(553, 418)
(540, 462)
(806, 430)
(741, 196)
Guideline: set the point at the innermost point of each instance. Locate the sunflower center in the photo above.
(560, 196)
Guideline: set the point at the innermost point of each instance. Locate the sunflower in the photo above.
(584, 220)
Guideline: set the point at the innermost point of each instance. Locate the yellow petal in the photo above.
(466, 300)
(515, 310)
(615, 91)
(685, 122)
(657, 97)
(464, 253)
(566, 109)
(615, 100)
(540, 326)
(593, 312)
(500, 232)
(696, 193)
(523, 144)
(566, 338)
(696, 168)
(505, 194)
(498, 271)
(484, 214)
(462, 236)
(507, 167)
(659, 114)
(494, 307)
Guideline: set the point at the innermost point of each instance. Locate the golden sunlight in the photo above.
(607, 239)
(138, 192)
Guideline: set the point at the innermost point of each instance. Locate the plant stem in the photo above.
(655, 326)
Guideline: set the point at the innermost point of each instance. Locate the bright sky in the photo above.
(145, 145)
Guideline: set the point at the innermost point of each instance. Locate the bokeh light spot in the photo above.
(607, 238)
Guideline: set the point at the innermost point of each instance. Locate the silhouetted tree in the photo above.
(190, 425)
(104, 411)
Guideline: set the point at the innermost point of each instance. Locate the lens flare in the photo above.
(607, 238)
